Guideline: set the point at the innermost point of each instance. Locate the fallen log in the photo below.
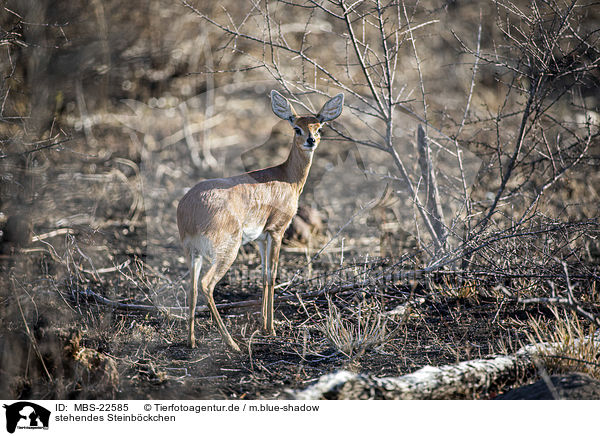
(468, 379)
(463, 380)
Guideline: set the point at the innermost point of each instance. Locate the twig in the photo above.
(88, 293)
(52, 234)
(561, 301)
(30, 335)
(433, 204)
(36, 149)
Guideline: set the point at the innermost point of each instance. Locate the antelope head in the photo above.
(307, 128)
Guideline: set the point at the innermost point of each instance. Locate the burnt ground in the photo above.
(102, 133)
(102, 222)
(95, 232)
(450, 322)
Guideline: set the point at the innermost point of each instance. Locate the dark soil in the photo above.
(153, 360)
(89, 185)
(133, 256)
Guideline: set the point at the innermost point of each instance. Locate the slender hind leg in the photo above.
(208, 282)
(220, 324)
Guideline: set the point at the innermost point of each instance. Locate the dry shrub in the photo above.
(366, 327)
(61, 368)
(574, 347)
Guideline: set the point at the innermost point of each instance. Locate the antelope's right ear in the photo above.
(282, 107)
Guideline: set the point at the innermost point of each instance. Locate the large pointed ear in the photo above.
(332, 109)
(282, 107)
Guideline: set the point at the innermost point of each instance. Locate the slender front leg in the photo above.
(195, 268)
(264, 252)
(273, 247)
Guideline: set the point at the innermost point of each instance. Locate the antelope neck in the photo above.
(297, 166)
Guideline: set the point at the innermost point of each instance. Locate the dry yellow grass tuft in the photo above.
(365, 328)
(463, 290)
(575, 346)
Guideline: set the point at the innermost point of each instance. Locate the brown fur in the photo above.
(217, 216)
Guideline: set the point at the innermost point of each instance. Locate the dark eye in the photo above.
(298, 131)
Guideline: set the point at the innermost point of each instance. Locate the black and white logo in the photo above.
(26, 415)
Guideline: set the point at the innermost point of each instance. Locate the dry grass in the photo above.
(365, 328)
(115, 234)
(575, 346)
(464, 290)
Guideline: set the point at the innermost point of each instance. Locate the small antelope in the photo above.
(217, 216)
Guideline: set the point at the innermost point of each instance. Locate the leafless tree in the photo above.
(544, 55)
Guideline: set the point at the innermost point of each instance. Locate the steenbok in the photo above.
(218, 216)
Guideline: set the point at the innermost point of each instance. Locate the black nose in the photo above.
(310, 140)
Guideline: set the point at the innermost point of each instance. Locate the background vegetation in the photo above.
(451, 212)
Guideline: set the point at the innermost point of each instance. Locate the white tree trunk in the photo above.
(462, 380)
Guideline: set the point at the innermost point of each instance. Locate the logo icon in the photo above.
(26, 415)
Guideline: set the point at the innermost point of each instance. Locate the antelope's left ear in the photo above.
(332, 109)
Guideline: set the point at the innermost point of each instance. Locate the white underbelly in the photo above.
(252, 233)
